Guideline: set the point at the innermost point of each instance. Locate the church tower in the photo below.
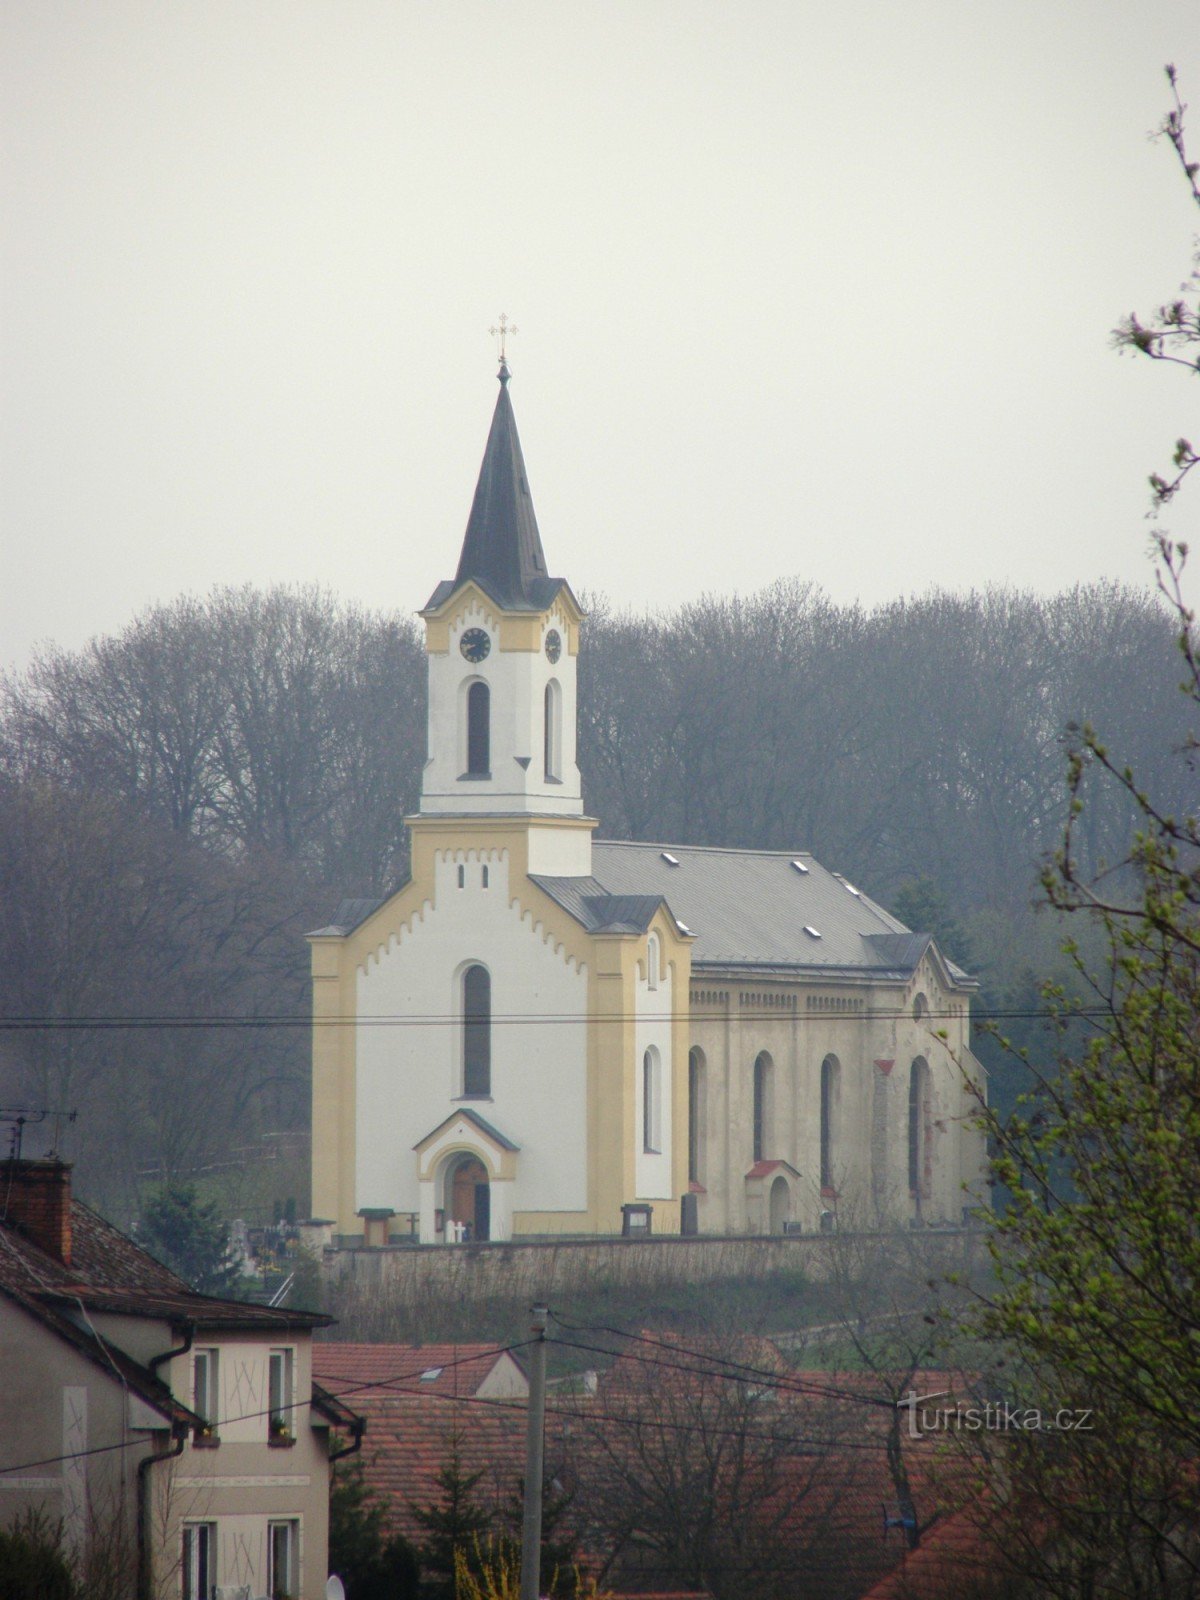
(503, 638)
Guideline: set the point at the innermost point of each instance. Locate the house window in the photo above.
(205, 1394)
(553, 732)
(199, 1560)
(484, 878)
(477, 1031)
(479, 741)
(280, 1420)
(763, 1134)
(462, 877)
(283, 1560)
(651, 1102)
(829, 1098)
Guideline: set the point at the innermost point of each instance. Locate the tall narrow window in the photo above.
(283, 1576)
(763, 1131)
(205, 1397)
(199, 1559)
(695, 1112)
(918, 1130)
(477, 1031)
(479, 736)
(829, 1094)
(652, 962)
(280, 1422)
(553, 735)
(651, 1103)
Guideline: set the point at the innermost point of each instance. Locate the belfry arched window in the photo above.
(477, 1031)
(553, 732)
(479, 731)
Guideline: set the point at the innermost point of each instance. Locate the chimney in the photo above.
(35, 1199)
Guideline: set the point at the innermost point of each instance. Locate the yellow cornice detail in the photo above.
(517, 630)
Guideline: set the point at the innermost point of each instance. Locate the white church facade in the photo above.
(544, 1034)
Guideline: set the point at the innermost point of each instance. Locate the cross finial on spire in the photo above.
(501, 332)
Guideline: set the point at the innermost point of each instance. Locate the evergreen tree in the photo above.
(558, 1567)
(188, 1235)
(456, 1524)
(372, 1566)
(31, 1562)
(921, 905)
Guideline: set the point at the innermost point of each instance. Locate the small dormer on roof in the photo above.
(502, 549)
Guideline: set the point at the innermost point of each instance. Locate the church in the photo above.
(543, 1034)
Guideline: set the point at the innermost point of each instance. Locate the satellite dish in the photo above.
(335, 1589)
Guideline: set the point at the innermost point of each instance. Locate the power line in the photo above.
(654, 1424)
(733, 1371)
(268, 1411)
(139, 1022)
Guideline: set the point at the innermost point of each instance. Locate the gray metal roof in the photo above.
(744, 908)
(481, 1123)
(753, 908)
(502, 548)
(590, 903)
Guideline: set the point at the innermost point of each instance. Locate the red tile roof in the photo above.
(953, 1553)
(410, 1439)
(110, 1272)
(388, 1370)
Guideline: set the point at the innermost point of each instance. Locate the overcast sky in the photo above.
(802, 288)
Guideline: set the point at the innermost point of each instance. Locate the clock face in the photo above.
(553, 646)
(475, 644)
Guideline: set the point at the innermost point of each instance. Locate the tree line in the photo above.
(179, 802)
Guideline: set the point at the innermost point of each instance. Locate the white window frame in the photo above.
(286, 1531)
(199, 1560)
(206, 1391)
(281, 1386)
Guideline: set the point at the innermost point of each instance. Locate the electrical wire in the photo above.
(100, 1023)
(736, 1372)
(268, 1411)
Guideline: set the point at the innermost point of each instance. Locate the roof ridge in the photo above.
(709, 849)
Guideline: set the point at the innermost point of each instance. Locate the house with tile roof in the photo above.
(182, 1430)
(541, 1034)
(391, 1370)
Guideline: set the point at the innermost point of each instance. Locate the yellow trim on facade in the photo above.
(517, 630)
(613, 963)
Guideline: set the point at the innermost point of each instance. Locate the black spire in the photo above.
(502, 549)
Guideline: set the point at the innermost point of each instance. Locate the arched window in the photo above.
(829, 1099)
(920, 1007)
(764, 1133)
(651, 1102)
(919, 1151)
(652, 962)
(477, 1031)
(553, 733)
(479, 738)
(695, 1113)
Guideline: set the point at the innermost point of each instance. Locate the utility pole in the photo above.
(531, 1528)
